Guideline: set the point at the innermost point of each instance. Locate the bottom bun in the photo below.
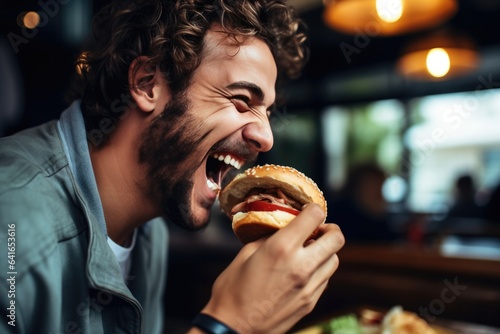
(253, 225)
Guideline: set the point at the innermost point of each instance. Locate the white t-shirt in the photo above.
(123, 254)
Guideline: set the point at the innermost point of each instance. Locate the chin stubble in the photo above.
(166, 145)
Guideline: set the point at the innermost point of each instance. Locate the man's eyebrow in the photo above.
(253, 88)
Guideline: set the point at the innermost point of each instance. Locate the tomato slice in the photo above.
(266, 206)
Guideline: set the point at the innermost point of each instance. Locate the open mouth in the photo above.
(218, 166)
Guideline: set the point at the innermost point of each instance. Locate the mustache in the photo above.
(242, 151)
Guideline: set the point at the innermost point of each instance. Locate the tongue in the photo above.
(218, 179)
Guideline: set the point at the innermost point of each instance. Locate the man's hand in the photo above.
(273, 283)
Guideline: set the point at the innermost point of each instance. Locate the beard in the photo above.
(167, 144)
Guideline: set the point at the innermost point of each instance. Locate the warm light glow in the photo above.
(31, 20)
(389, 10)
(371, 17)
(438, 62)
(81, 63)
(417, 65)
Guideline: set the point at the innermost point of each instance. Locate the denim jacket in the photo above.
(57, 271)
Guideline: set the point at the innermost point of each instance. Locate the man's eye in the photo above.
(241, 101)
(243, 98)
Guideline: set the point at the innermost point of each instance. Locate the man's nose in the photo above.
(259, 135)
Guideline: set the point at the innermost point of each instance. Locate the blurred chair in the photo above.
(11, 88)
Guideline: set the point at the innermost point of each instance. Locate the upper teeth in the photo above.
(228, 160)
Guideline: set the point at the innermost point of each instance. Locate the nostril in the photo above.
(258, 135)
(255, 143)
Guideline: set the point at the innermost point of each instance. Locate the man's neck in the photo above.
(117, 175)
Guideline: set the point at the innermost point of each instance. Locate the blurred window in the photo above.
(365, 133)
(452, 135)
(446, 136)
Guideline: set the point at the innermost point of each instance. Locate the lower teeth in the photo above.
(212, 185)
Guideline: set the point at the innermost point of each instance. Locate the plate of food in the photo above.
(395, 321)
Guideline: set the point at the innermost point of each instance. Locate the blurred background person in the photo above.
(11, 90)
(361, 209)
(465, 204)
(492, 207)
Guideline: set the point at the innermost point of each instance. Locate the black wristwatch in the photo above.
(210, 325)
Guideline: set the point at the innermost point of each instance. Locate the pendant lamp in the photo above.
(439, 56)
(387, 17)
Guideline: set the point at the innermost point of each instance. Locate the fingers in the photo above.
(320, 258)
(329, 241)
(318, 251)
(317, 284)
(319, 281)
(318, 261)
(315, 270)
(313, 253)
(316, 295)
(300, 229)
(326, 270)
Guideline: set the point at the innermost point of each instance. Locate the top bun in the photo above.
(293, 183)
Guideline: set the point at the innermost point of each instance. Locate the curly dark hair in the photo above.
(170, 35)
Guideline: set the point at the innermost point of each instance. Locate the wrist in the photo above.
(210, 325)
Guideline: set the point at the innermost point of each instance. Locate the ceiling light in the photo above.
(387, 17)
(438, 62)
(438, 56)
(389, 11)
(31, 20)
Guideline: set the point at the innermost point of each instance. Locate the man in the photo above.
(167, 86)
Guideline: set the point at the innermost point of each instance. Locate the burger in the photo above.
(263, 199)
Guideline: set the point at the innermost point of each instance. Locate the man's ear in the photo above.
(145, 83)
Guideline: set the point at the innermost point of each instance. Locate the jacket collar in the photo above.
(103, 270)
(72, 129)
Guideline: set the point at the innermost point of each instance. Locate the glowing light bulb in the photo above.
(438, 62)
(389, 11)
(31, 20)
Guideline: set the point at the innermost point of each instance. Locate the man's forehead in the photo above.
(221, 43)
(240, 62)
